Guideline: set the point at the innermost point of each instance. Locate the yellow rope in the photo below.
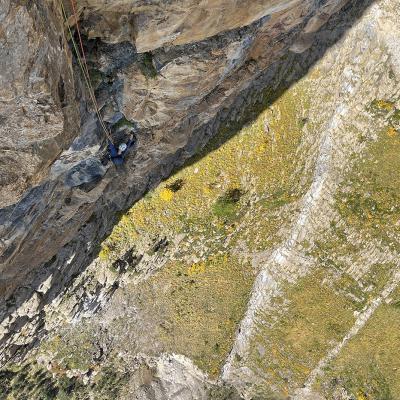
(85, 73)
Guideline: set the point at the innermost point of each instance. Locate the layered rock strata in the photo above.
(172, 73)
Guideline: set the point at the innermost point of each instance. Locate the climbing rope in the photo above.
(83, 64)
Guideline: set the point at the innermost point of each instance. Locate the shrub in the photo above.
(226, 205)
(146, 65)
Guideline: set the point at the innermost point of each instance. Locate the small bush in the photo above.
(396, 303)
(146, 65)
(176, 185)
(224, 392)
(396, 116)
(226, 205)
(381, 106)
(123, 123)
(96, 77)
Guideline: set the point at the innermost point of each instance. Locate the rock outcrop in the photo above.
(175, 74)
(175, 98)
(39, 113)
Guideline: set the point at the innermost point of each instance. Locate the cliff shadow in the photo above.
(281, 76)
(267, 87)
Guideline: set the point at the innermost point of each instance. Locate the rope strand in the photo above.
(83, 66)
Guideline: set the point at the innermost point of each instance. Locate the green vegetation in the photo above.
(226, 205)
(223, 392)
(240, 190)
(369, 200)
(123, 123)
(176, 185)
(334, 252)
(381, 106)
(298, 331)
(368, 368)
(72, 351)
(96, 77)
(396, 116)
(146, 65)
(201, 305)
(202, 198)
(32, 381)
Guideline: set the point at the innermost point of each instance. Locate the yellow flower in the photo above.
(166, 194)
(198, 268)
(385, 105)
(361, 396)
(261, 148)
(104, 253)
(391, 132)
(207, 190)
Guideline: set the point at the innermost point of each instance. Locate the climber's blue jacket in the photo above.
(118, 159)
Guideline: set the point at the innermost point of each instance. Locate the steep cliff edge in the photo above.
(175, 98)
(264, 266)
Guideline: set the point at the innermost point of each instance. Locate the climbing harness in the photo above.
(83, 63)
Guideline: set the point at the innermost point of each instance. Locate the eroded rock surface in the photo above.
(154, 24)
(265, 266)
(38, 111)
(174, 99)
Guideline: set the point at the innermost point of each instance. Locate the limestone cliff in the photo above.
(260, 269)
(39, 114)
(175, 98)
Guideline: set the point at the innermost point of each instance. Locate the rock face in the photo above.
(38, 111)
(156, 24)
(285, 203)
(174, 98)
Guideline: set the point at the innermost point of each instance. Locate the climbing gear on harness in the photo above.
(83, 63)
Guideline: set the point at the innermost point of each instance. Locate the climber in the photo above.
(117, 155)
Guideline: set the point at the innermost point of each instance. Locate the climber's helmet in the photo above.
(122, 147)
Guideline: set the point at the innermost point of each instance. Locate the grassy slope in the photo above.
(238, 192)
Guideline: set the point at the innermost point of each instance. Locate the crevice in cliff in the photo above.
(80, 219)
